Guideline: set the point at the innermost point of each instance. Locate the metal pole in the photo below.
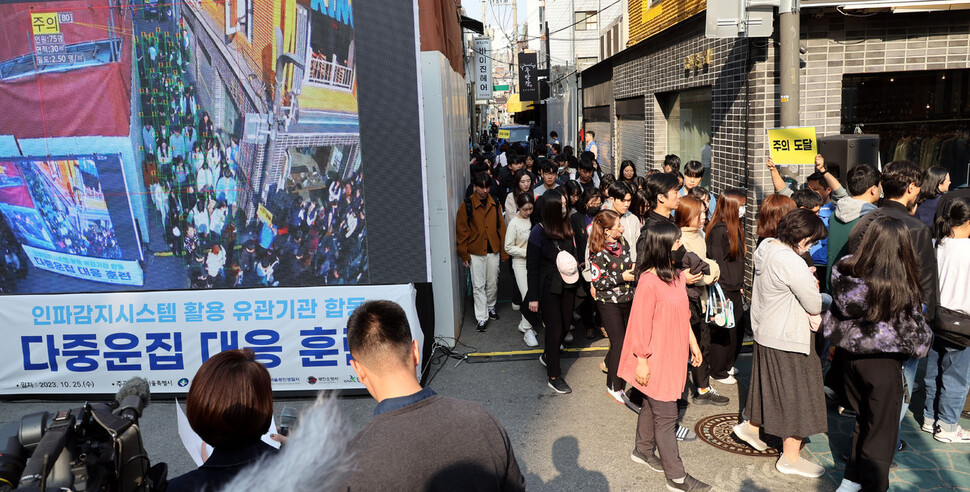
(548, 57)
(789, 32)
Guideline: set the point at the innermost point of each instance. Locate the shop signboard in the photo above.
(483, 69)
(793, 146)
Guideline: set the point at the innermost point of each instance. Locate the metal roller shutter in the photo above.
(631, 143)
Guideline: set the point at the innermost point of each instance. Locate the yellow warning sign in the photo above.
(793, 146)
(264, 215)
(504, 133)
(45, 23)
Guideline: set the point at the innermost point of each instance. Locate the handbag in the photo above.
(952, 326)
(720, 309)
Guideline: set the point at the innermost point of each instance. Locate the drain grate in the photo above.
(716, 430)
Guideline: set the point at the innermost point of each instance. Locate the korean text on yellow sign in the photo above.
(504, 133)
(793, 146)
(264, 214)
(46, 23)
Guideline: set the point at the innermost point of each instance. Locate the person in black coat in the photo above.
(230, 406)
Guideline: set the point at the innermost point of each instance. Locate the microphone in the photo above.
(132, 398)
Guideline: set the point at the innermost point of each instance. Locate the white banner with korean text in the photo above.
(93, 343)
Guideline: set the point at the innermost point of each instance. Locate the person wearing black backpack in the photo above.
(553, 281)
(480, 231)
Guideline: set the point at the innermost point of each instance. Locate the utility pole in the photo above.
(548, 56)
(789, 32)
(515, 38)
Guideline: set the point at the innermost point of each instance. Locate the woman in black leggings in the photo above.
(552, 286)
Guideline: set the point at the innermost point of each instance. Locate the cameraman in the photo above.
(230, 406)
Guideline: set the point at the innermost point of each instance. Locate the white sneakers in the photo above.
(802, 467)
(728, 380)
(849, 486)
(530, 338)
(956, 436)
(741, 430)
(617, 395)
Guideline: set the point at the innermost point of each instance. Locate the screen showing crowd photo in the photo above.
(240, 133)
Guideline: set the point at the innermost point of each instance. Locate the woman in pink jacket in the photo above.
(655, 354)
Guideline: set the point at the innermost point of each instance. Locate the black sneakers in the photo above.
(482, 326)
(559, 384)
(690, 484)
(712, 397)
(650, 460)
(492, 314)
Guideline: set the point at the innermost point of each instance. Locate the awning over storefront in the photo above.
(514, 105)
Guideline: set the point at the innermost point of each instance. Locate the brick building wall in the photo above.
(837, 45)
(658, 67)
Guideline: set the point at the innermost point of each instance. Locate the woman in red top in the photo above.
(655, 354)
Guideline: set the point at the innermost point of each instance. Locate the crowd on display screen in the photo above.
(193, 176)
(657, 263)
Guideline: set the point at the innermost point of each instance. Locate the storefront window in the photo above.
(920, 116)
(688, 115)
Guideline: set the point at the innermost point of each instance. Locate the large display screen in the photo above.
(158, 146)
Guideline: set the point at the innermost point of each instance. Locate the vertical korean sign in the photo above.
(483, 69)
(528, 77)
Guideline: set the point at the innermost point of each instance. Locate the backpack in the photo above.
(468, 213)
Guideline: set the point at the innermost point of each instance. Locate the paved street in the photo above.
(582, 441)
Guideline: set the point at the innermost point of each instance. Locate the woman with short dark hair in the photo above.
(230, 406)
(785, 396)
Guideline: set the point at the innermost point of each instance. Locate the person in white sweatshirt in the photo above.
(516, 243)
(948, 362)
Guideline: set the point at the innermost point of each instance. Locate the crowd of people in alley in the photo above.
(857, 280)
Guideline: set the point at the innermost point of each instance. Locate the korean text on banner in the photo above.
(93, 343)
(483, 69)
(793, 146)
(504, 133)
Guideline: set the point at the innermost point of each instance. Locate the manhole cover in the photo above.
(716, 431)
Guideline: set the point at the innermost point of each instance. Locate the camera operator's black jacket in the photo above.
(220, 468)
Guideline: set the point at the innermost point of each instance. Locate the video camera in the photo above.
(96, 447)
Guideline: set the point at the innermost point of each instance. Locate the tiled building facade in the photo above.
(743, 79)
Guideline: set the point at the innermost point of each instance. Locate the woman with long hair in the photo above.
(936, 182)
(877, 323)
(521, 183)
(574, 194)
(773, 208)
(516, 245)
(628, 171)
(553, 281)
(688, 216)
(785, 396)
(611, 274)
(948, 364)
(726, 246)
(655, 354)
